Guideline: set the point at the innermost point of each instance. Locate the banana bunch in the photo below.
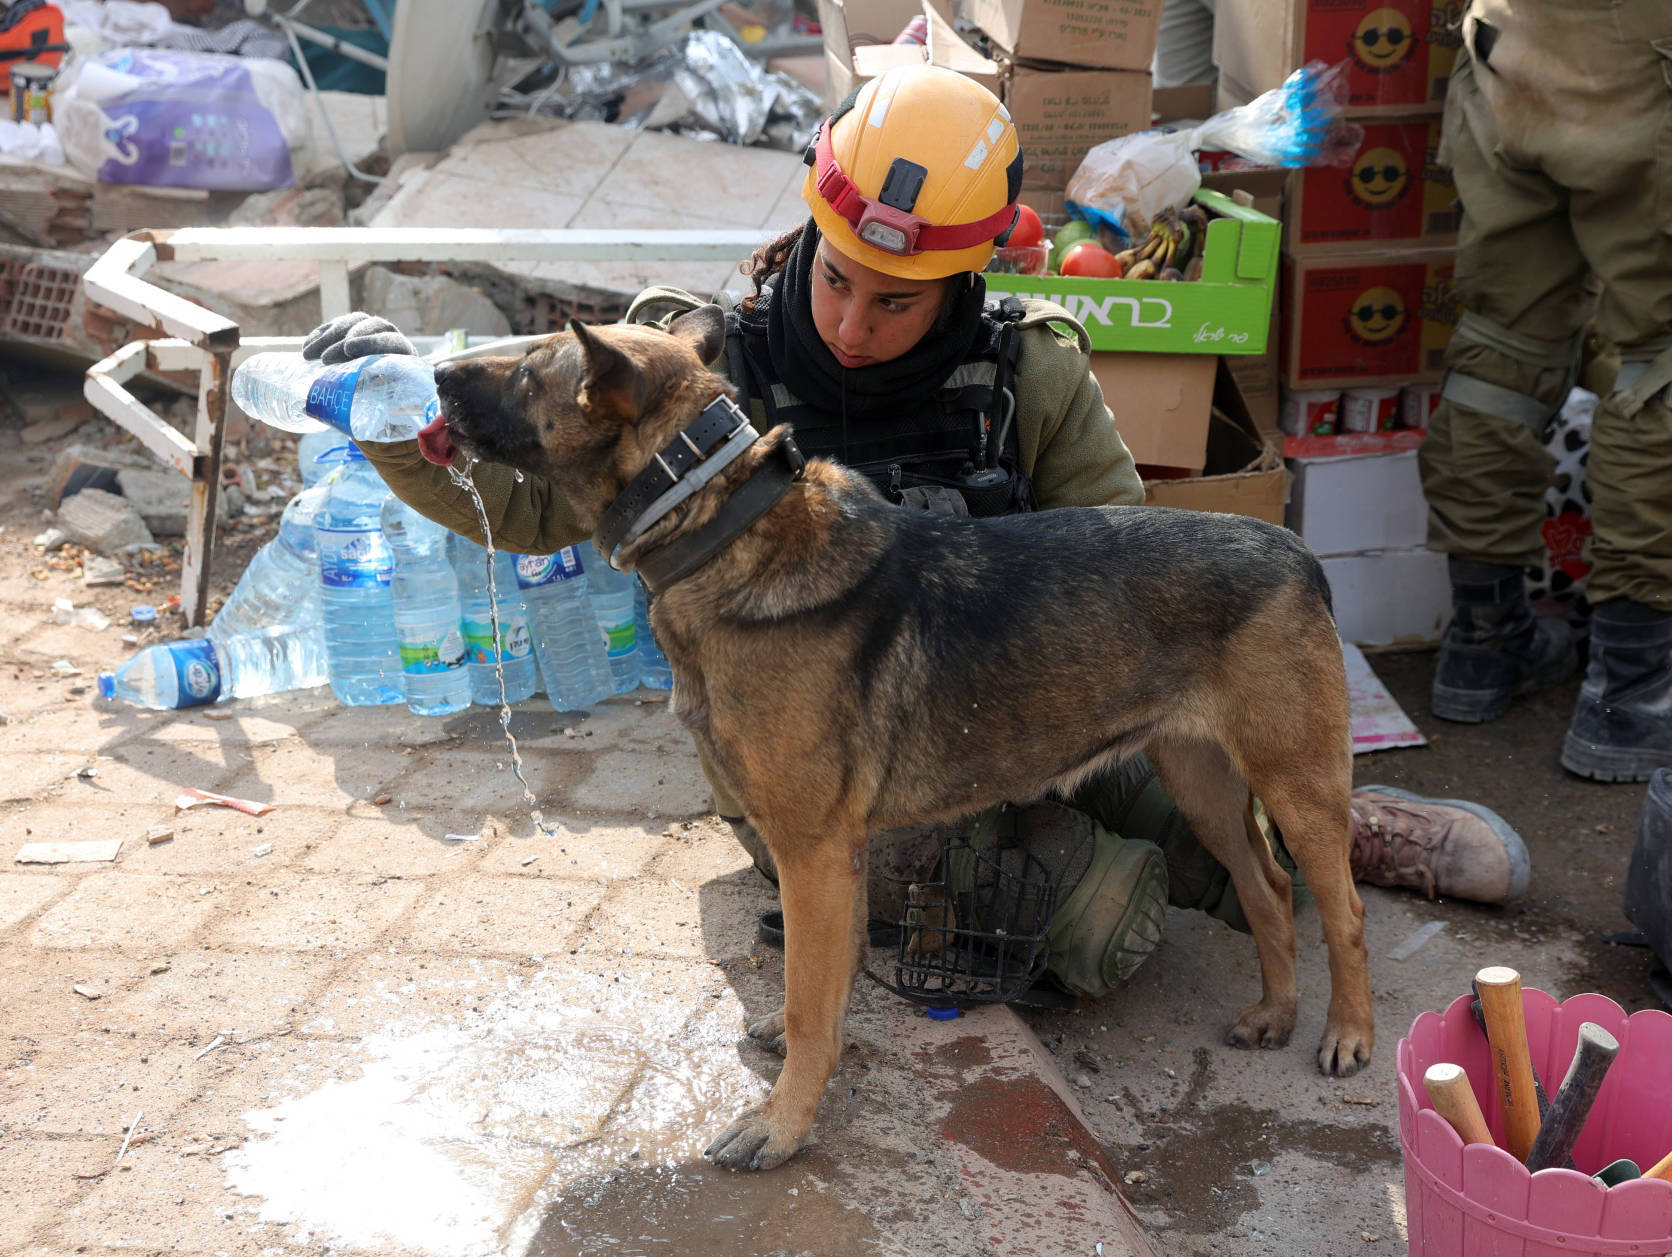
(1171, 250)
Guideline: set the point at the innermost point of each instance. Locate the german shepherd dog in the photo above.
(846, 664)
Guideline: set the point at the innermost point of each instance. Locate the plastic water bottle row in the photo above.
(361, 591)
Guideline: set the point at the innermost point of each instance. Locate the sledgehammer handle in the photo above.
(1592, 1056)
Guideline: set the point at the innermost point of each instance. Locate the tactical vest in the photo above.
(958, 455)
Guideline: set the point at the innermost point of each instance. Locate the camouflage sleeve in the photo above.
(526, 517)
(1069, 443)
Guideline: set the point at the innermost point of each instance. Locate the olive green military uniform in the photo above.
(1558, 130)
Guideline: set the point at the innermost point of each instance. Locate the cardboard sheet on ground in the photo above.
(1379, 722)
(101, 851)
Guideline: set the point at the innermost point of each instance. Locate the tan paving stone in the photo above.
(512, 916)
(62, 727)
(293, 773)
(383, 991)
(37, 987)
(619, 724)
(139, 911)
(221, 842)
(290, 912)
(41, 1182)
(659, 785)
(23, 893)
(482, 780)
(711, 921)
(392, 844)
(246, 722)
(60, 820)
(92, 1083)
(32, 774)
(602, 851)
(236, 994)
(704, 852)
(143, 771)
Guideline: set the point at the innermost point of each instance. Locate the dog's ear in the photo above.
(703, 329)
(613, 382)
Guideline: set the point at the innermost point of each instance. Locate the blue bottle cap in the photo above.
(143, 613)
(107, 685)
(941, 1014)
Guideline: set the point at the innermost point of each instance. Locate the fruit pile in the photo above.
(1171, 251)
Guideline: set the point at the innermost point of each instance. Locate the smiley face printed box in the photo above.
(1394, 192)
(1367, 319)
(1399, 52)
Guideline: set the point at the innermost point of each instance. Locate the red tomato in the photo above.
(1091, 261)
(1029, 231)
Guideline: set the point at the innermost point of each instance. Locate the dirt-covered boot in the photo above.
(1495, 647)
(1622, 723)
(1438, 846)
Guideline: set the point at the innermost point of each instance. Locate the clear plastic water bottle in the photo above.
(427, 612)
(169, 675)
(316, 454)
(654, 672)
(566, 638)
(281, 583)
(386, 397)
(612, 602)
(355, 571)
(515, 648)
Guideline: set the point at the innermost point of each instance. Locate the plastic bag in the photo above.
(1125, 183)
(178, 119)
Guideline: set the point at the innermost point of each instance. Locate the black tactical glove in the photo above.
(355, 335)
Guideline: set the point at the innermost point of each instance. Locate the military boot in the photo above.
(1648, 896)
(1622, 723)
(1438, 846)
(1495, 647)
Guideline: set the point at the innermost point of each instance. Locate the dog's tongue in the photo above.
(435, 442)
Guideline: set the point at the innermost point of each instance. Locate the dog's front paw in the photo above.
(754, 1142)
(1264, 1025)
(1343, 1052)
(768, 1031)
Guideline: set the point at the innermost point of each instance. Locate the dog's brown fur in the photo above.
(847, 665)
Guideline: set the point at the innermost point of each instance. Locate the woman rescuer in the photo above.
(870, 332)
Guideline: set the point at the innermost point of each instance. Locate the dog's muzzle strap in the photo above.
(757, 495)
(699, 453)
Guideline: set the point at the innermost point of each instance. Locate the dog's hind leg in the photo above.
(1214, 798)
(819, 880)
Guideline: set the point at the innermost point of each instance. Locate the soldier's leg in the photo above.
(1512, 360)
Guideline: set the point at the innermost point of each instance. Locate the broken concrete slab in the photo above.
(290, 207)
(432, 304)
(163, 499)
(98, 570)
(59, 426)
(103, 521)
(79, 466)
(99, 852)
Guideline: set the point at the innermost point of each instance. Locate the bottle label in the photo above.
(423, 655)
(547, 569)
(331, 395)
(197, 670)
(353, 558)
(619, 639)
(478, 639)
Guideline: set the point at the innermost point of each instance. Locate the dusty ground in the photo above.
(306, 955)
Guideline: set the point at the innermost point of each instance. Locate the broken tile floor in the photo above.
(422, 1026)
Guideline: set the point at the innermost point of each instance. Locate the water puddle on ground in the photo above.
(472, 1137)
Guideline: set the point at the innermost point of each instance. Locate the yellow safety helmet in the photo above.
(916, 174)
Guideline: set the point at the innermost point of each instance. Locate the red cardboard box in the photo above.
(1367, 319)
(1400, 51)
(1395, 192)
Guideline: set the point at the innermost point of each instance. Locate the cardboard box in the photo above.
(1160, 403)
(945, 48)
(1342, 505)
(1060, 114)
(850, 24)
(1390, 597)
(1243, 474)
(1099, 34)
(1367, 319)
(1256, 376)
(1395, 192)
(1227, 311)
(1399, 52)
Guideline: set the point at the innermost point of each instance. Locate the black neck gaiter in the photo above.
(799, 359)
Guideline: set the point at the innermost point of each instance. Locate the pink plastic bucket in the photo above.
(1480, 1201)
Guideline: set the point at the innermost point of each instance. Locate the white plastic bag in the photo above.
(169, 118)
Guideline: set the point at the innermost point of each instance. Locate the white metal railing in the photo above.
(190, 337)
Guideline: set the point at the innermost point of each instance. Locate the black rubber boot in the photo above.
(1648, 897)
(1622, 723)
(1495, 647)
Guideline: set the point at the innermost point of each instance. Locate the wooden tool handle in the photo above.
(1592, 1056)
(1454, 1099)
(1661, 1168)
(1512, 1065)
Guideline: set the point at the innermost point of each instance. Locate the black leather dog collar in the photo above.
(718, 421)
(757, 495)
